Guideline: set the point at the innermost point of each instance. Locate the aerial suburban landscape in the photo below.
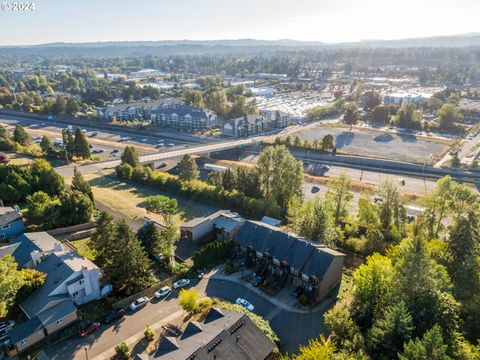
(290, 180)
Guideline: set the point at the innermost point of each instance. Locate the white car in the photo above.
(171, 145)
(138, 304)
(245, 304)
(181, 283)
(6, 326)
(164, 291)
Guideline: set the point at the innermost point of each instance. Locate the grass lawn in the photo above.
(130, 199)
(19, 159)
(83, 248)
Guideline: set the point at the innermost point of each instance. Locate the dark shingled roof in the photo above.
(223, 335)
(302, 254)
(57, 312)
(28, 242)
(25, 329)
(183, 110)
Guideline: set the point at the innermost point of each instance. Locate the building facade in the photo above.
(184, 117)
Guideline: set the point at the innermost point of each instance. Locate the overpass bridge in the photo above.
(153, 158)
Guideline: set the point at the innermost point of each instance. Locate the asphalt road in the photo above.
(293, 329)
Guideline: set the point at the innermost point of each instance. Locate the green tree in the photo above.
(429, 347)
(80, 184)
(346, 333)
(151, 238)
(367, 212)
(408, 117)
(129, 268)
(75, 208)
(390, 332)
(280, 174)
(46, 179)
(11, 281)
(318, 349)
(130, 157)
(149, 334)
(161, 204)
(327, 142)
(20, 136)
(46, 145)
(170, 236)
(392, 211)
(373, 287)
(122, 352)
(215, 178)
(41, 209)
(216, 100)
(448, 115)
(68, 141)
(3, 132)
(351, 115)
(188, 169)
(103, 239)
(80, 145)
(229, 180)
(455, 162)
(188, 300)
(339, 194)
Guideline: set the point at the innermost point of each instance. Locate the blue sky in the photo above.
(322, 20)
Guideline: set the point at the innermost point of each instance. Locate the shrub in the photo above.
(188, 300)
(124, 171)
(149, 334)
(180, 269)
(122, 352)
(211, 253)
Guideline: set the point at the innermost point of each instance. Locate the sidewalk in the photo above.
(133, 340)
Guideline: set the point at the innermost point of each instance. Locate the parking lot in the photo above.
(380, 144)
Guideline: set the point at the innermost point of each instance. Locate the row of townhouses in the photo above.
(287, 257)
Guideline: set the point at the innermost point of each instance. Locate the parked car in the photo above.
(94, 134)
(200, 273)
(247, 305)
(401, 181)
(89, 329)
(297, 292)
(181, 283)
(114, 315)
(159, 257)
(315, 189)
(377, 199)
(257, 280)
(7, 325)
(325, 167)
(159, 146)
(163, 164)
(164, 291)
(171, 145)
(144, 140)
(114, 151)
(138, 304)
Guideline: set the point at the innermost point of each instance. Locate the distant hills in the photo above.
(173, 47)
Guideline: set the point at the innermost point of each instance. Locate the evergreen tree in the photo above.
(230, 180)
(390, 332)
(339, 194)
(80, 184)
(80, 145)
(68, 141)
(20, 136)
(129, 269)
(429, 347)
(151, 238)
(169, 237)
(3, 132)
(46, 144)
(215, 179)
(46, 179)
(188, 169)
(130, 157)
(75, 208)
(103, 239)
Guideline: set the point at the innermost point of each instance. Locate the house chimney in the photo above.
(58, 247)
(36, 257)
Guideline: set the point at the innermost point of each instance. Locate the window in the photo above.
(276, 261)
(81, 281)
(305, 277)
(259, 255)
(59, 321)
(75, 294)
(294, 270)
(24, 341)
(6, 226)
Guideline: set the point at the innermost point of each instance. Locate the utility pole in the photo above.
(86, 353)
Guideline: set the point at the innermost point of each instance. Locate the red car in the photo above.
(89, 329)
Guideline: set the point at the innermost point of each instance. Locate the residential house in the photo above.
(11, 222)
(217, 226)
(185, 117)
(402, 98)
(71, 280)
(315, 267)
(221, 335)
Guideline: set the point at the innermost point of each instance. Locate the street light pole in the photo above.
(86, 353)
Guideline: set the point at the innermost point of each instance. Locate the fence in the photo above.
(71, 229)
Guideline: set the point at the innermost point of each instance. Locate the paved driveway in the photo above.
(293, 328)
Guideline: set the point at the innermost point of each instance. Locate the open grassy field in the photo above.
(129, 199)
(19, 159)
(83, 248)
